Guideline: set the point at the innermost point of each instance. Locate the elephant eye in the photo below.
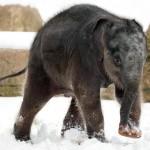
(117, 61)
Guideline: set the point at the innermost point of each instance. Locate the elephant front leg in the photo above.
(131, 129)
(129, 113)
(89, 102)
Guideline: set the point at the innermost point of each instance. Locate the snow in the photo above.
(46, 128)
(16, 40)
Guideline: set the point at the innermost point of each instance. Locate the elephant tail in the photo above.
(14, 74)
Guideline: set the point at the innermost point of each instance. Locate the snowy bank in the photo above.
(47, 125)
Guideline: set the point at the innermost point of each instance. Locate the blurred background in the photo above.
(21, 19)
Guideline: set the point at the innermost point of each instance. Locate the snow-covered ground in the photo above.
(47, 125)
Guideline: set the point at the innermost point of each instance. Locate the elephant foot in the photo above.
(21, 135)
(22, 138)
(130, 130)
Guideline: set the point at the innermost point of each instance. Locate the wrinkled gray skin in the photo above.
(77, 52)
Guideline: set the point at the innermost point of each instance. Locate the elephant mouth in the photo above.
(116, 79)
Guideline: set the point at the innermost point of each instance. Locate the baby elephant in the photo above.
(77, 52)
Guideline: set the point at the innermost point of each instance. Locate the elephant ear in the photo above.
(100, 22)
(136, 25)
(87, 34)
(94, 24)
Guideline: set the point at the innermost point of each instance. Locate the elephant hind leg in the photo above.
(38, 91)
(73, 118)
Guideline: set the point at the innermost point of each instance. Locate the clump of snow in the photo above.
(47, 125)
(76, 136)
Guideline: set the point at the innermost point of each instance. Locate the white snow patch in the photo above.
(20, 119)
(47, 125)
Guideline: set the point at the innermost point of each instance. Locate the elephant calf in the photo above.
(77, 52)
